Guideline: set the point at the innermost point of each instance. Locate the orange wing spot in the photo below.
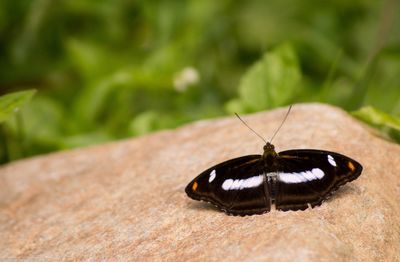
(195, 185)
(351, 166)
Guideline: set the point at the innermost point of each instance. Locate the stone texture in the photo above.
(126, 201)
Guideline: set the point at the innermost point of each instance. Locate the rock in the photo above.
(126, 201)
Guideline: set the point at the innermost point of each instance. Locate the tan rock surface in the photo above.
(126, 201)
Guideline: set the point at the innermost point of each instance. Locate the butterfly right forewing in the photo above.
(308, 177)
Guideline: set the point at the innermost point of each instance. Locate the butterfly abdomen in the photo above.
(272, 187)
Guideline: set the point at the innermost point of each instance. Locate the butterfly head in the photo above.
(268, 147)
(269, 153)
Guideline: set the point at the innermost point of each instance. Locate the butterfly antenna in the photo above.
(283, 121)
(250, 128)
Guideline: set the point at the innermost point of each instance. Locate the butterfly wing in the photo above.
(237, 186)
(308, 177)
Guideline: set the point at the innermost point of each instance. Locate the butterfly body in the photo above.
(289, 180)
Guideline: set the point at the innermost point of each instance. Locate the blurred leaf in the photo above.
(271, 82)
(11, 103)
(377, 118)
(383, 86)
(235, 106)
(82, 140)
(44, 121)
(86, 57)
(144, 123)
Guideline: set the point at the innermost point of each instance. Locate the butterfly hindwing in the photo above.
(236, 186)
(308, 177)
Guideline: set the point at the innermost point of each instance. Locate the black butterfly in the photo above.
(290, 180)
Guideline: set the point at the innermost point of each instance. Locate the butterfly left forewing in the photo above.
(236, 186)
(308, 177)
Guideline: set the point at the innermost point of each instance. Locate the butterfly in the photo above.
(289, 180)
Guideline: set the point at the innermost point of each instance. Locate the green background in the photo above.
(109, 69)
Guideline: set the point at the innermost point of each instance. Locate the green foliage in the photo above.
(12, 144)
(10, 104)
(112, 69)
(389, 124)
(271, 82)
